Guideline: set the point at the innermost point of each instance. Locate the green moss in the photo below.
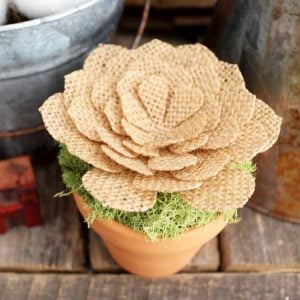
(169, 217)
(247, 166)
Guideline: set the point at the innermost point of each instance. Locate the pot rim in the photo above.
(49, 18)
(122, 229)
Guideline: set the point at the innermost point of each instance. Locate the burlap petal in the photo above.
(212, 110)
(118, 65)
(55, 118)
(228, 102)
(189, 146)
(189, 55)
(183, 104)
(224, 134)
(202, 65)
(153, 93)
(230, 74)
(141, 150)
(96, 62)
(117, 191)
(237, 101)
(163, 182)
(132, 107)
(139, 136)
(77, 84)
(269, 120)
(231, 84)
(156, 139)
(165, 139)
(245, 107)
(205, 77)
(155, 48)
(91, 153)
(85, 117)
(211, 163)
(110, 138)
(230, 189)
(192, 127)
(176, 75)
(113, 113)
(134, 164)
(61, 128)
(103, 90)
(252, 141)
(170, 162)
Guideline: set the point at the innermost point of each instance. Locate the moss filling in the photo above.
(169, 217)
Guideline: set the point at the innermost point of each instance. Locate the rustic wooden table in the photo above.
(259, 258)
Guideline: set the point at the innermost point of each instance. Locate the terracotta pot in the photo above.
(134, 253)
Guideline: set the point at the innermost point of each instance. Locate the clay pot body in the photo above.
(134, 253)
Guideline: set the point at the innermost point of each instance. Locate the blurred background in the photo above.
(174, 21)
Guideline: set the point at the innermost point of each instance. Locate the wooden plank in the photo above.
(207, 259)
(184, 286)
(192, 20)
(125, 39)
(260, 243)
(175, 3)
(100, 259)
(57, 244)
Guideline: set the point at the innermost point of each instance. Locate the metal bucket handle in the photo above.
(135, 43)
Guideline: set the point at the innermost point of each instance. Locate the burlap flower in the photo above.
(161, 118)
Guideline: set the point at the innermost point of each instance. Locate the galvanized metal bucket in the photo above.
(34, 57)
(264, 38)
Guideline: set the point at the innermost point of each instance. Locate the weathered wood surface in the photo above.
(194, 20)
(184, 286)
(175, 3)
(100, 259)
(260, 243)
(207, 258)
(57, 244)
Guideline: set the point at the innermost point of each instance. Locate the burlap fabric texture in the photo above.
(161, 118)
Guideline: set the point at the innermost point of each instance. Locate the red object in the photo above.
(18, 198)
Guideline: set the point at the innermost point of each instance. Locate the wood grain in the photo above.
(207, 258)
(57, 244)
(184, 286)
(100, 259)
(260, 243)
(175, 3)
